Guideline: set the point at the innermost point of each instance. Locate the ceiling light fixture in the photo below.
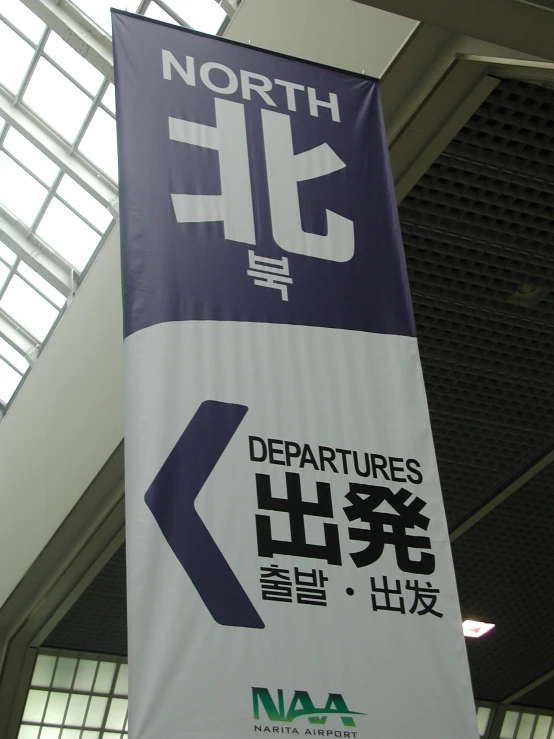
(475, 629)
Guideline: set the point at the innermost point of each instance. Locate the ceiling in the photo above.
(479, 241)
(58, 159)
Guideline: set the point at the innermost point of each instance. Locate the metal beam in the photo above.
(33, 252)
(44, 139)
(78, 30)
(500, 496)
(18, 337)
(431, 127)
(527, 27)
(529, 687)
(524, 69)
(497, 721)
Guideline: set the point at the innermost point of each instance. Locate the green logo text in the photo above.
(301, 705)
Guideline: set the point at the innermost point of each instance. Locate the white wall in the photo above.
(65, 422)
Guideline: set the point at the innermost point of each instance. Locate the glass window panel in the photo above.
(205, 16)
(509, 725)
(57, 100)
(44, 666)
(526, 726)
(542, 728)
(34, 708)
(99, 143)
(65, 671)
(154, 11)
(49, 732)
(122, 682)
(30, 156)
(116, 714)
(39, 282)
(483, 713)
(96, 711)
(6, 254)
(9, 380)
(99, 10)
(82, 201)
(19, 192)
(90, 735)
(109, 98)
(28, 732)
(15, 57)
(104, 678)
(67, 234)
(70, 734)
(55, 709)
(4, 272)
(28, 308)
(23, 18)
(75, 65)
(41, 678)
(85, 675)
(76, 710)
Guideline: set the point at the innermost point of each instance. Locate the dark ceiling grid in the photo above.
(97, 622)
(505, 570)
(541, 697)
(477, 227)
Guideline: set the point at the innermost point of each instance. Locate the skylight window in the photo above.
(6, 254)
(99, 10)
(99, 143)
(31, 157)
(57, 100)
(4, 272)
(15, 57)
(28, 308)
(9, 380)
(24, 19)
(42, 285)
(13, 357)
(58, 209)
(154, 11)
(20, 193)
(67, 234)
(73, 63)
(109, 98)
(85, 204)
(205, 16)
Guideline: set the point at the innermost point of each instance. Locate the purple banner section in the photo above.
(171, 498)
(254, 187)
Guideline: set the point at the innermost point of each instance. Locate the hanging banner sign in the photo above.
(289, 569)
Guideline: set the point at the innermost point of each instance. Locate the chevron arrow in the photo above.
(171, 498)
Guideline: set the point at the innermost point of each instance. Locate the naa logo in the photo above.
(300, 705)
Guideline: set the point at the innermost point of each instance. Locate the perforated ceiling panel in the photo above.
(541, 697)
(478, 234)
(479, 243)
(505, 568)
(97, 622)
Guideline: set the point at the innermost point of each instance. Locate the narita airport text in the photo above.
(324, 458)
(307, 732)
(224, 81)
